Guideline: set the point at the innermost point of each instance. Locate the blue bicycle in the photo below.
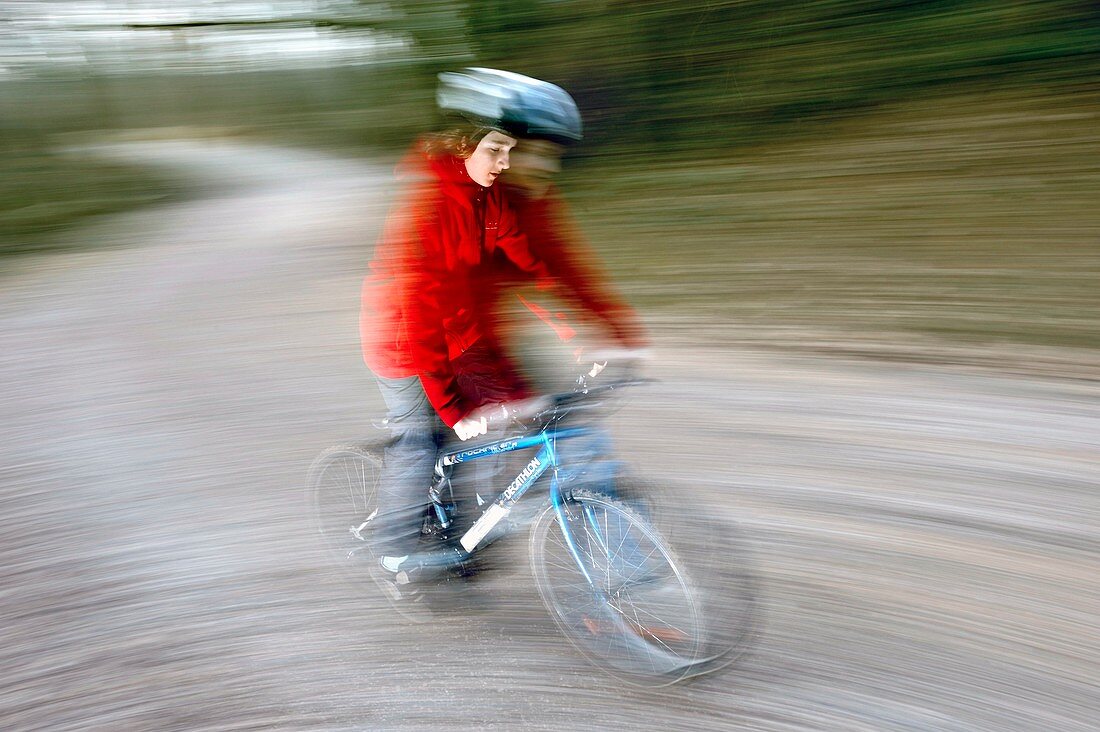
(612, 584)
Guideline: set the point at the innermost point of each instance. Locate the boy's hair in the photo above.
(458, 140)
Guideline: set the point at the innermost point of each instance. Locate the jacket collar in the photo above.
(448, 170)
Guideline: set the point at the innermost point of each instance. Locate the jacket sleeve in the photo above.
(427, 287)
(571, 263)
(517, 249)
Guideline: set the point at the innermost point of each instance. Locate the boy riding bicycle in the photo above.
(453, 243)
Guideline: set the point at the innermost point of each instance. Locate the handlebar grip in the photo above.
(522, 411)
(503, 415)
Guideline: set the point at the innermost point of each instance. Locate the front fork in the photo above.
(558, 501)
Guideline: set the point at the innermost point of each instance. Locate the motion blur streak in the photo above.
(926, 536)
(863, 238)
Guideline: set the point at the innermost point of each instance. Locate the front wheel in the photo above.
(616, 590)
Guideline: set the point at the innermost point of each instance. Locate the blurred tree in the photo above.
(711, 73)
(436, 28)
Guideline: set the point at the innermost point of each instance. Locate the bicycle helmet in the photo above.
(514, 104)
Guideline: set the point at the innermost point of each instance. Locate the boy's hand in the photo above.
(471, 426)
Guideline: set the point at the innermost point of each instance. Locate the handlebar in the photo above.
(548, 408)
(543, 410)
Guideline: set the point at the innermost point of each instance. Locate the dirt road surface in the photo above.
(927, 539)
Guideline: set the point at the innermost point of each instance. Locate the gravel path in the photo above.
(927, 539)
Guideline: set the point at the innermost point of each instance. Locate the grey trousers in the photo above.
(418, 434)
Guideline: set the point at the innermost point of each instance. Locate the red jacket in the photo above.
(420, 306)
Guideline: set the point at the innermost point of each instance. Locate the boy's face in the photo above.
(490, 158)
(534, 164)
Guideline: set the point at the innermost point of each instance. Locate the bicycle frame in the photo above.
(546, 458)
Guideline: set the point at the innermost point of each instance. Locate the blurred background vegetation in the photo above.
(927, 169)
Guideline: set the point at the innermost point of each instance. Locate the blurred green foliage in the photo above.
(708, 76)
(896, 169)
(964, 219)
(691, 79)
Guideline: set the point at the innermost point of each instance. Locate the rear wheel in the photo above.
(343, 490)
(617, 591)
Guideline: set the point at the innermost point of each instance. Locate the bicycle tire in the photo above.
(343, 493)
(642, 622)
(717, 557)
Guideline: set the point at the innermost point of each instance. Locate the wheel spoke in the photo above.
(343, 486)
(638, 616)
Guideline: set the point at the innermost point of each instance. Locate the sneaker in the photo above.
(408, 600)
(424, 566)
